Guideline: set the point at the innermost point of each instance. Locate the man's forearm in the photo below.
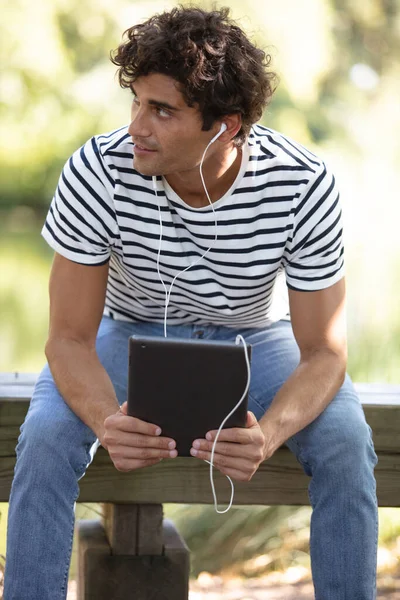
(303, 397)
(83, 382)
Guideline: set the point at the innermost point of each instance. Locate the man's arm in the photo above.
(318, 322)
(319, 326)
(77, 294)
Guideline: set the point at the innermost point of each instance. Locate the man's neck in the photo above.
(219, 175)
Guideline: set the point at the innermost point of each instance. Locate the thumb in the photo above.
(124, 408)
(251, 419)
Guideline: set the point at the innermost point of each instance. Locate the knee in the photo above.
(347, 454)
(48, 443)
(39, 433)
(355, 445)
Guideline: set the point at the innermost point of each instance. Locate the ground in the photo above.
(207, 587)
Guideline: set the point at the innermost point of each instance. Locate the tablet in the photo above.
(186, 386)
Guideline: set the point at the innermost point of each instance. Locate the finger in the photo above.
(251, 419)
(237, 475)
(225, 462)
(128, 453)
(235, 434)
(240, 435)
(133, 424)
(236, 469)
(141, 441)
(253, 454)
(121, 438)
(224, 448)
(124, 408)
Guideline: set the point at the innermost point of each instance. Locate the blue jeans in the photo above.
(55, 447)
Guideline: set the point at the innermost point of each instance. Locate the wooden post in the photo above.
(134, 529)
(134, 555)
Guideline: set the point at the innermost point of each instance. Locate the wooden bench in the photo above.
(134, 548)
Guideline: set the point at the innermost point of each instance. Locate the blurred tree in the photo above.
(56, 54)
(57, 85)
(367, 41)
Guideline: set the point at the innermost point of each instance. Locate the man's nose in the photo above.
(139, 125)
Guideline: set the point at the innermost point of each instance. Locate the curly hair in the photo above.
(215, 64)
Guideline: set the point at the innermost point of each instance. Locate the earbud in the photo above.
(220, 132)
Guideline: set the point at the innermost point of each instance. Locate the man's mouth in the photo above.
(139, 149)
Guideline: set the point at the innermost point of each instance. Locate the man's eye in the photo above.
(162, 112)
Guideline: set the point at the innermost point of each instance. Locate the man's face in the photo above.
(166, 132)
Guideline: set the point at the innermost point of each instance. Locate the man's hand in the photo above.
(133, 444)
(238, 452)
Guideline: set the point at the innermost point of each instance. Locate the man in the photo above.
(194, 77)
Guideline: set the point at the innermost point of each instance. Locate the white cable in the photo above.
(167, 292)
(241, 339)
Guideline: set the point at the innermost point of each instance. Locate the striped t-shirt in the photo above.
(278, 225)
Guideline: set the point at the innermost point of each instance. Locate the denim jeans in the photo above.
(55, 448)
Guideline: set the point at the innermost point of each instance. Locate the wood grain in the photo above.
(280, 480)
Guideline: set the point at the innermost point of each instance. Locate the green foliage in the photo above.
(24, 265)
(58, 86)
(53, 95)
(368, 31)
(85, 34)
(250, 541)
(375, 354)
(228, 542)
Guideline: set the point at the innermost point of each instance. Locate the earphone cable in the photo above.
(239, 338)
(167, 292)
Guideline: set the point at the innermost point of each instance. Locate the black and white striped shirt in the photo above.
(279, 224)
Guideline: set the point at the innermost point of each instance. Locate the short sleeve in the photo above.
(81, 223)
(313, 257)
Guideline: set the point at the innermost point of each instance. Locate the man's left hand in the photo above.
(238, 452)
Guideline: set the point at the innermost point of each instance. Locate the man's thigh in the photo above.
(275, 355)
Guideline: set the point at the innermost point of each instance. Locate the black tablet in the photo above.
(187, 387)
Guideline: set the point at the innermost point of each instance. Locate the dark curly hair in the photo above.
(216, 65)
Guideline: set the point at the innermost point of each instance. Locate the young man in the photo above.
(195, 77)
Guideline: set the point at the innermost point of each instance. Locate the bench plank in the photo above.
(280, 480)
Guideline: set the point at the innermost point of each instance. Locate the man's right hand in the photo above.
(133, 444)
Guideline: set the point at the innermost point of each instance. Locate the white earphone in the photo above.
(223, 128)
(239, 338)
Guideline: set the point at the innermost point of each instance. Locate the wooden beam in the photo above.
(279, 480)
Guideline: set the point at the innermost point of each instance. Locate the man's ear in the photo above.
(233, 124)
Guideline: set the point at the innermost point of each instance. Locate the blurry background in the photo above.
(339, 65)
